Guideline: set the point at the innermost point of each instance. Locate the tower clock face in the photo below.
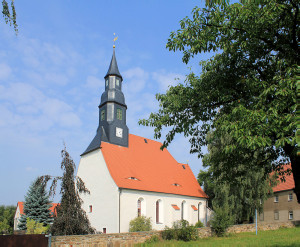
(119, 132)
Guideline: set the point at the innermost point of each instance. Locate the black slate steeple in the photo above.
(112, 111)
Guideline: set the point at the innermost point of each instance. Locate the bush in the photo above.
(220, 221)
(181, 230)
(153, 239)
(34, 227)
(140, 224)
(199, 224)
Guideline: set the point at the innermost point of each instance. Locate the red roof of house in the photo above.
(21, 207)
(144, 166)
(289, 183)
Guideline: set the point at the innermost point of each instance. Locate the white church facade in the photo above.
(129, 175)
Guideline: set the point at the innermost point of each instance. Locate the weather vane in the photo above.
(115, 39)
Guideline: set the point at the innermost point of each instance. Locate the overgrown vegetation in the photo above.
(181, 230)
(7, 214)
(71, 219)
(199, 224)
(140, 224)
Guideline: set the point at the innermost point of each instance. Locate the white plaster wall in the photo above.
(128, 204)
(104, 196)
(17, 218)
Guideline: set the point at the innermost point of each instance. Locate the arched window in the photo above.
(159, 212)
(139, 207)
(199, 204)
(183, 210)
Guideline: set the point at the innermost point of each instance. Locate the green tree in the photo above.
(71, 219)
(9, 14)
(140, 224)
(7, 214)
(36, 206)
(247, 89)
(34, 227)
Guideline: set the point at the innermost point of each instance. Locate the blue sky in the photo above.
(51, 79)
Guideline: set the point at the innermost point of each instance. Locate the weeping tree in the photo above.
(71, 219)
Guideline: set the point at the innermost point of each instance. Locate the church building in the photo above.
(130, 176)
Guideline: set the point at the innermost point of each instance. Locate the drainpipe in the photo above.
(49, 239)
(120, 191)
(206, 205)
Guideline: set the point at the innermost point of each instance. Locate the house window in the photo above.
(91, 208)
(276, 215)
(291, 215)
(276, 199)
(103, 115)
(104, 230)
(139, 208)
(290, 198)
(261, 217)
(119, 114)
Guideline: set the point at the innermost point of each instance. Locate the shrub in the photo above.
(34, 227)
(181, 230)
(140, 224)
(199, 224)
(220, 221)
(153, 239)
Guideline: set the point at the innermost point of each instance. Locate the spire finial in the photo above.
(115, 39)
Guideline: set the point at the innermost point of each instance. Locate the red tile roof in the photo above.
(21, 207)
(289, 183)
(153, 169)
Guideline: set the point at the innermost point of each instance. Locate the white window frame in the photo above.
(290, 197)
(276, 199)
(291, 215)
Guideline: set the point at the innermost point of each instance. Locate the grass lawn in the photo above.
(282, 237)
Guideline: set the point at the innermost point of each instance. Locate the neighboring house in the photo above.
(283, 205)
(129, 175)
(20, 211)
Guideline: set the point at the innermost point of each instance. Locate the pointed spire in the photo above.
(113, 67)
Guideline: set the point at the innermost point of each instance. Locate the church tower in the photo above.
(112, 111)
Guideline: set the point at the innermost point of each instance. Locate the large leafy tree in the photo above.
(36, 206)
(236, 175)
(7, 214)
(71, 219)
(247, 89)
(9, 13)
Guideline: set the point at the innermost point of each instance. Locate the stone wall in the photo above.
(129, 239)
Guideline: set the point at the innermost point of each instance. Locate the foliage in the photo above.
(237, 175)
(199, 224)
(34, 227)
(220, 221)
(71, 219)
(7, 219)
(140, 224)
(181, 230)
(247, 89)
(153, 239)
(10, 15)
(36, 206)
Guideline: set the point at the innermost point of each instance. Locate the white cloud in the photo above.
(5, 71)
(166, 79)
(29, 108)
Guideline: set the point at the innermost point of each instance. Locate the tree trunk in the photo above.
(295, 163)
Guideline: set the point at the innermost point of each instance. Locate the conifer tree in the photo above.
(36, 206)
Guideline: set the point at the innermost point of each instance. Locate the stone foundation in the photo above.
(129, 239)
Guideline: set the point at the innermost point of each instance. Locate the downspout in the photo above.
(206, 212)
(120, 191)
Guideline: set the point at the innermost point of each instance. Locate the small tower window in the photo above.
(119, 114)
(117, 82)
(103, 115)
(106, 82)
